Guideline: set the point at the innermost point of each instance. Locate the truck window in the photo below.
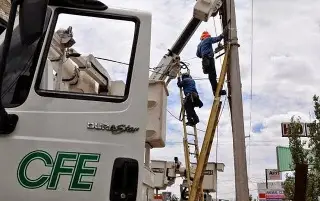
(21, 64)
(90, 57)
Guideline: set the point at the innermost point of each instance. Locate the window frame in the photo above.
(4, 23)
(84, 96)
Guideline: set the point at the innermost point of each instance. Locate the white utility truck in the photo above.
(71, 127)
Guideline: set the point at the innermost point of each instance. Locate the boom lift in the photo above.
(167, 70)
(82, 91)
(166, 173)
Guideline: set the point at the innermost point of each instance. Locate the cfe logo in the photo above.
(59, 168)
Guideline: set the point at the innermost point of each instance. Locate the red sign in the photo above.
(275, 194)
(302, 130)
(262, 196)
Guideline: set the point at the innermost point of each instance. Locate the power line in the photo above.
(228, 193)
(179, 120)
(217, 159)
(173, 115)
(119, 62)
(251, 66)
(215, 30)
(194, 78)
(190, 58)
(229, 143)
(251, 78)
(151, 69)
(114, 61)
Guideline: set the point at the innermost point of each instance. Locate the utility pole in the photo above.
(301, 181)
(236, 106)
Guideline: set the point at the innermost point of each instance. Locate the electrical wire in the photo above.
(153, 69)
(228, 193)
(255, 145)
(251, 67)
(222, 108)
(217, 143)
(251, 91)
(119, 62)
(217, 160)
(114, 61)
(173, 115)
(215, 30)
(194, 78)
(179, 120)
(190, 58)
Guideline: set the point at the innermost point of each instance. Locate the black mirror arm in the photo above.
(8, 122)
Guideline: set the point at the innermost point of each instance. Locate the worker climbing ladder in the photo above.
(188, 143)
(196, 187)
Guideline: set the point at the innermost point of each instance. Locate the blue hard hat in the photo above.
(185, 75)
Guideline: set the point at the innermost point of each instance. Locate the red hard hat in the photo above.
(205, 35)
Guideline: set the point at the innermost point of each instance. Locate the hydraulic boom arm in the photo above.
(169, 65)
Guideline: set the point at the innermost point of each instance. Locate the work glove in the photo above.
(178, 83)
(225, 31)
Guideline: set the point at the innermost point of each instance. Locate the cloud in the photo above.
(285, 73)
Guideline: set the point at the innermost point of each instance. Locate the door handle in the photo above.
(124, 180)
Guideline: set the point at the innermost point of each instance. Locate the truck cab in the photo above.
(74, 93)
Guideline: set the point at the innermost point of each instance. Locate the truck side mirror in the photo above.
(3, 25)
(31, 19)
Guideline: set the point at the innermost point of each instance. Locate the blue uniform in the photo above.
(205, 51)
(205, 46)
(191, 100)
(189, 85)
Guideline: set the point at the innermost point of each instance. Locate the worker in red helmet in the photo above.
(205, 51)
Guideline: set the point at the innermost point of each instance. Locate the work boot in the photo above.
(190, 123)
(200, 103)
(222, 92)
(196, 120)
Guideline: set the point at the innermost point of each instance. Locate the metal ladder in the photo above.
(196, 187)
(187, 143)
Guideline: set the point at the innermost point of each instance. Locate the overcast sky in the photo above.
(285, 62)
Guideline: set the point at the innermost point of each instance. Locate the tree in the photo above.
(251, 198)
(303, 156)
(289, 187)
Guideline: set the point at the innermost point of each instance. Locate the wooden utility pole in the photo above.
(301, 181)
(236, 106)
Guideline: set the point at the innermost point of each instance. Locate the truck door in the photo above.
(80, 94)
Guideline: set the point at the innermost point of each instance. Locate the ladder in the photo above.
(187, 143)
(195, 190)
